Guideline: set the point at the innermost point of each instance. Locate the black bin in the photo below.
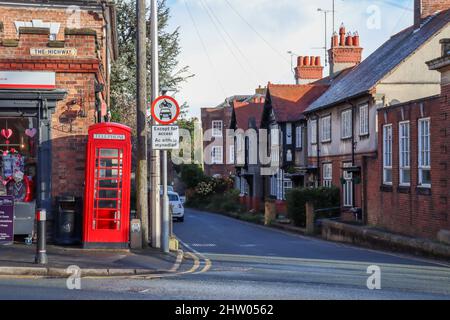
(68, 221)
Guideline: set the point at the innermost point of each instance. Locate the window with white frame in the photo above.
(287, 185)
(273, 186)
(424, 153)
(348, 186)
(364, 120)
(387, 154)
(405, 153)
(217, 155)
(298, 137)
(346, 124)
(328, 175)
(217, 126)
(232, 157)
(288, 133)
(325, 129)
(313, 133)
(274, 140)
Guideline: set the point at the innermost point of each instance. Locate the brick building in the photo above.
(414, 150)
(216, 149)
(55, 58)
(343, 132)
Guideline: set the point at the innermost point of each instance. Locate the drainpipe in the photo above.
(353, 151)
(318, 150)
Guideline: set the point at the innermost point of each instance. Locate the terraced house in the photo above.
(286, 125)
(343, 141)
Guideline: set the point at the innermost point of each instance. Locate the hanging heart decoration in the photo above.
(31, 132)
(7, 133)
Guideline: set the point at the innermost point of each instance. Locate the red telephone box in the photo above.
(107, 189)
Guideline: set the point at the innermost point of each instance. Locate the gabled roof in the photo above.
(248, 115)
(290, 101)
(364, 77)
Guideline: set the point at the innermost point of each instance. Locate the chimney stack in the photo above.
(309, 69)
(426, 8)
(345, 51)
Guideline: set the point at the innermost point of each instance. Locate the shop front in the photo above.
(25, 151)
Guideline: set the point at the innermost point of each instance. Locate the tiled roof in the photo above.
(385, 59)
(247, 113)
(290, 101)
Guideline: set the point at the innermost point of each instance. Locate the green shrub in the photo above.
(322, 198)
(192, 175)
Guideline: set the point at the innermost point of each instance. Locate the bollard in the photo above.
(41, 247)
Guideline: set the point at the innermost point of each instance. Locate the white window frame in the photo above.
(404, 143)
(232, 157)
(364, 120)
(287, 185)
(313, 125)
(217, 132)
(325, 129)
(348, 187)
(387, 153)
(424, 150)
(299, 137)
(289, 133)
(346, 124)
(217, 151)
(328, 175)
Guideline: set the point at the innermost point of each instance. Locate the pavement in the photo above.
(228, 259)
(18, 259)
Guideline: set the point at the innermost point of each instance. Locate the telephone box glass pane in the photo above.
(113, 153)
(108, 193)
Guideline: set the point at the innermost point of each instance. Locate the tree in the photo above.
(123, 75)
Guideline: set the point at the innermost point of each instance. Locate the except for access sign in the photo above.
(165, 137)
(165, 110)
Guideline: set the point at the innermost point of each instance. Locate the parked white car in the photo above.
(177, 207)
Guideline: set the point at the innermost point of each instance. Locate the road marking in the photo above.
(207, 262)
(178, 262)
(205, 245)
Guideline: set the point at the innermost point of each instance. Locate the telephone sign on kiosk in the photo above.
(165, 110)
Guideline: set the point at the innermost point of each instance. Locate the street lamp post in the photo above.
(293, 54)
(325, 12)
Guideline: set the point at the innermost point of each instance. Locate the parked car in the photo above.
(177, 207)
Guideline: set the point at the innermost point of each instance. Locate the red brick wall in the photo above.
(77, 75)
(208, 116)
(411, 211)
(425, 8)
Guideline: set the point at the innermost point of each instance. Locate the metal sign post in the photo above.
(165, 111)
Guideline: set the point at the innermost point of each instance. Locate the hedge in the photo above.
(322, 198)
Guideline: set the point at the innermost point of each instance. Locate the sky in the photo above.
(234, 46)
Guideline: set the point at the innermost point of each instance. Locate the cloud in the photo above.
(241, 59)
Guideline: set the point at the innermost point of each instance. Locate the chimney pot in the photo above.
(300, 61)
(335, 40)
(356, 39)
(349, 40)
(306, 61)
(318, 62)
(342, 35)
(312, 61)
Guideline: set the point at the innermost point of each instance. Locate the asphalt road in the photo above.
(238, 260)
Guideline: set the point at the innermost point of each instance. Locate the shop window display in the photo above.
(18, 158)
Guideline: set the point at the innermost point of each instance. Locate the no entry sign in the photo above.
(165, 110)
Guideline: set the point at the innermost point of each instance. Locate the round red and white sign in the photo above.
(165, 110)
